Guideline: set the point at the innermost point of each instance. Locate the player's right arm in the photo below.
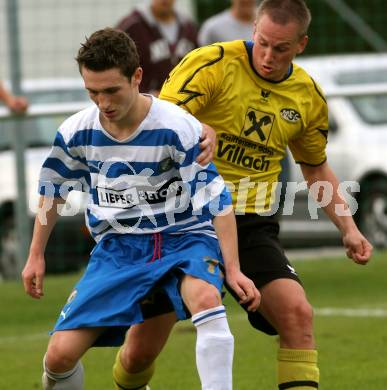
(64, 170)
(207, 145)
(34, 270)
(192, 85)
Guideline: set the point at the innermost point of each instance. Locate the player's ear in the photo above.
(302, 44)
(137, 76)
(254, 30)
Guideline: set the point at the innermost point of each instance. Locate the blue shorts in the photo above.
(124, 269)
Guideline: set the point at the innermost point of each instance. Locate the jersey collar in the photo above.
(249, 48)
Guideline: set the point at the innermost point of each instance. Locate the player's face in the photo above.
(163, 8)
(113, 93)
(275, 46)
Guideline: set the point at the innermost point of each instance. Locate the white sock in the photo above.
(70, 380)
(214, 349)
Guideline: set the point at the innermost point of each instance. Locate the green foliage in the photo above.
(352, 350)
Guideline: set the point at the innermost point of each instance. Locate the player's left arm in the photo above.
(225, 227)
(357, 246)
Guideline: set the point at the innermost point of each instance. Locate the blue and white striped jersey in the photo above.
(149, 182)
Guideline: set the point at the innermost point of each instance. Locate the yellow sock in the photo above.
(297, 369)
(124, 380)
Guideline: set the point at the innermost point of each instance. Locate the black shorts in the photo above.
(262, 257)
(156, 303)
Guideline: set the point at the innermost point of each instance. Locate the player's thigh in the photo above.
(199, 295)
(66, 347)
(284, 301)
(148, 338)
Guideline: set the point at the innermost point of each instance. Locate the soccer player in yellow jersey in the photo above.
(260, 102)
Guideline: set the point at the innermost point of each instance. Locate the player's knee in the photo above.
(206, 298)
(199, 295)
(297, 319)
(59, 360)
(303, 314)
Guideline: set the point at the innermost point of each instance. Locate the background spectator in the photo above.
(233, 23)
(17, 104)
(163, 37)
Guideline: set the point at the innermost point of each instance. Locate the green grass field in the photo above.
(352, 343)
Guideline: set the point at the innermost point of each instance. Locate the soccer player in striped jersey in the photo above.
(155, 214)
(260, 102)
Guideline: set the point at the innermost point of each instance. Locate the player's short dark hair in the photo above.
(285, 11)
(109, 48)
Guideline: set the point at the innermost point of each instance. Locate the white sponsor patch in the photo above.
(290, 115)
(123, 199)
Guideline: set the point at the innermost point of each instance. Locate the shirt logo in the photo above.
(291, 269)
(290, 115)
(72, 296)
(165, 165)
(124, 199)
(257, 126)
(265, 93)
(140, 195)
(241, 156)
(211, 263)
(63, 313)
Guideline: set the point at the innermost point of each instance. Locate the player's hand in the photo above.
(358, 248)
(245, 289)
(32, 275)
(207, 145)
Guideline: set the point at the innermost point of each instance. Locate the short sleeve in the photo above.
(63, 170)
(310, 147)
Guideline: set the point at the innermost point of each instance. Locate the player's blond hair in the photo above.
(285, 11)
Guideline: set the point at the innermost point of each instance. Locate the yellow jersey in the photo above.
(255, 119)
